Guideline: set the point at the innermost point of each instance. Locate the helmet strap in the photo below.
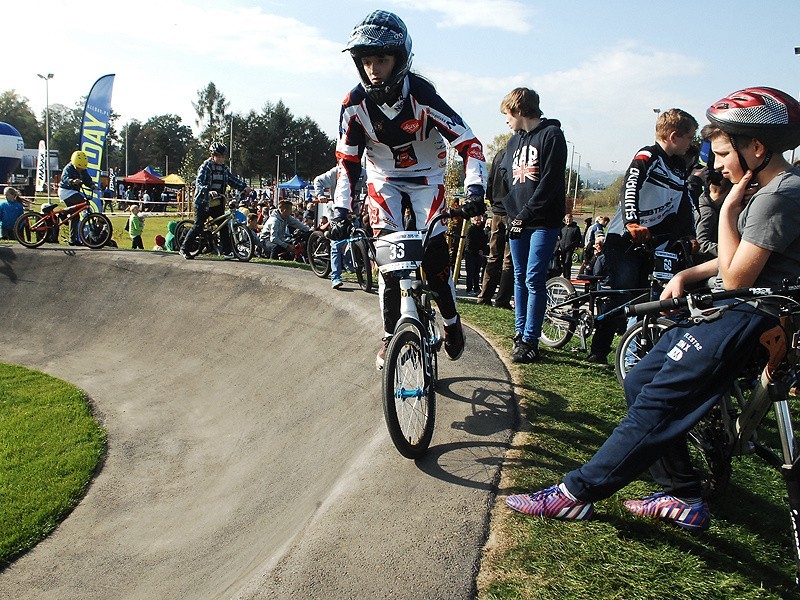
(743, 162)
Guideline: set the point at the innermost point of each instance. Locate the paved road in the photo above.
(247, 454)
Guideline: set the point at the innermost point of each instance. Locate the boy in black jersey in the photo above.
(654, 202)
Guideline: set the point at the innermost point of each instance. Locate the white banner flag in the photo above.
(41, 167)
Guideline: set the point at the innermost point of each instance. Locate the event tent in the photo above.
(174, 179)
(144, 177)
(295, 183)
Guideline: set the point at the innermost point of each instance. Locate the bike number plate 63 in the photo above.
(399, 251)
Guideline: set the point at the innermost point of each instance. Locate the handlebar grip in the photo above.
(656, 306)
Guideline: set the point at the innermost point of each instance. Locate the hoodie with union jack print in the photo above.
(535, 163)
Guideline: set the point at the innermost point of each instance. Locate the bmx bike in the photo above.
(33, 229)
(731, 427)
(411, 368)
(208, 240)
(354, 252)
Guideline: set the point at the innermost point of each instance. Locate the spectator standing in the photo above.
(135, 228)
(474, 254)
(535, 163)
(569, 241)
(11, 209)
(499, 268)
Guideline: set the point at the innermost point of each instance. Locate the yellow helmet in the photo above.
(79, 159)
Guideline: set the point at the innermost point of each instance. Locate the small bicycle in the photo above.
(208, 241)
(730, 427)
(33, 229)
(411, 368)
(354, 252)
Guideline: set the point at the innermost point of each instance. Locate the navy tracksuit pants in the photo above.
(667, 393)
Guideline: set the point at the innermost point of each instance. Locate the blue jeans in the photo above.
(336, 260)
(531, 254)
(668, 392)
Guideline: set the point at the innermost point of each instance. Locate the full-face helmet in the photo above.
(381, 33)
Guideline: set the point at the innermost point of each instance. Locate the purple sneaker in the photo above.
(694, 517)
(552, 503)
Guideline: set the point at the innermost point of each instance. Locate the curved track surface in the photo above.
(247, 454)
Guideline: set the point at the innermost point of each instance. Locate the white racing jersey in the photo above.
(404, 142)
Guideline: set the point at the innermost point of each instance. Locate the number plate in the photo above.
(665, 265)
(399, 251)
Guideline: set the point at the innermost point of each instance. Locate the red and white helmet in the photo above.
(769, 115)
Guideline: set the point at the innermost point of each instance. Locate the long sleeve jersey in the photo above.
(214, 177)
(654, 195)
(404, 142)
(535, 162)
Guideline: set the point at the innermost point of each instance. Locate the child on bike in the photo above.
(399, 120)
(689, 369)
(213, 179)
(654, 202)
(74, 177)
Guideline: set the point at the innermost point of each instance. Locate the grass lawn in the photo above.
(50, 447)
(569, 407)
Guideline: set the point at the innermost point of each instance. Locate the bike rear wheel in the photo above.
(409, 398)
(318, 250)
(559, 321)
(362, 265)
(708, 448)
(242, 242)
(637, 341)
(31, 229)
(95, 230)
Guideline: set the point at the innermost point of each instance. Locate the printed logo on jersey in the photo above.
(411, 126)
(525, 165)
(683, 345)
(404, 156)
(476, 153)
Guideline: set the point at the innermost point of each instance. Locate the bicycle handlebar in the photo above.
(699, 301)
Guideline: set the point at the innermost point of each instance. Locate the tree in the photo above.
(211, 108)
(496, 145)
(65, 129)
(163, 140)
(15, 111)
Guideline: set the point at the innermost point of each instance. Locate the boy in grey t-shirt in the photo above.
(678, 381)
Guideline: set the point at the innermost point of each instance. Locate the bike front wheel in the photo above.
(242, 242)
(95, 230)
(637, 341)
(31, 229)
(559, 320)
(318, 250)
(363, 267)
(409, 398)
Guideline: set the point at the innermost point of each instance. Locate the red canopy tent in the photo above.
(144, 177)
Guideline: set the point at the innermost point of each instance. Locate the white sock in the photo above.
(567, 493)
(450, 321)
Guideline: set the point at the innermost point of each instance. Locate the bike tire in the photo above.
(556, 331)
(409, 397)
(363, 267)
(31, 230)
(181, 229)
(708, 449)
(242, 242)
(95, 230)
(318, 251)
(636, 342)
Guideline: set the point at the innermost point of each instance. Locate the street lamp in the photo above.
(577, 181)
(47, 79)
(569, 176)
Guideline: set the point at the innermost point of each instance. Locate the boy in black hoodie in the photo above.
(535, 162)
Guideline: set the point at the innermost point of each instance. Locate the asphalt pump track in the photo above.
(247, 453)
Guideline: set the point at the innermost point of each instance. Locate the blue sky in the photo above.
(599, 67)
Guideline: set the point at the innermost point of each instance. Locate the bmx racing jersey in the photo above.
(654, 195)
(404, 142)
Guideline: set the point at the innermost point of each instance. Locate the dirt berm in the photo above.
(247, 453)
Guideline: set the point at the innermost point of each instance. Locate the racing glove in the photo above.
(515, 228)
(473, 206)
(639, 234)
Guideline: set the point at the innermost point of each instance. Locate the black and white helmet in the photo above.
(381, 32)
(218, 149)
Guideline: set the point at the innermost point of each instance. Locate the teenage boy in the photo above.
(535, 162)
(654, 202)
(401, 123)
(688, 370)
